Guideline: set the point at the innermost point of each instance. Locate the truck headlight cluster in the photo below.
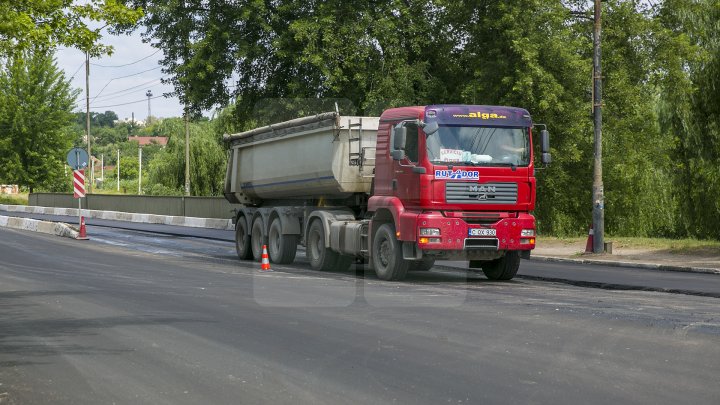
(425, 232)
(527, 233)
(429, 232)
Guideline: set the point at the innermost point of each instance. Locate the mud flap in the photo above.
(410, 251)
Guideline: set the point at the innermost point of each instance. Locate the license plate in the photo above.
(481, 232)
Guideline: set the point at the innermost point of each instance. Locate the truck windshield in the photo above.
(491, 146)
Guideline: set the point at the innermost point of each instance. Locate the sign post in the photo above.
(78, 159)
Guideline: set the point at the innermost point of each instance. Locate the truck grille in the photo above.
(485, 193)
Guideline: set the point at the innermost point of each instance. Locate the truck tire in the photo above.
(256, 239)
(281, 248)
(387, 255)
(425, 264)
(242, 240)
(321, 258)
(504, 268)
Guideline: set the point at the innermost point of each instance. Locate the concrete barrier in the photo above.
(34, 225)
(199, 207)
(193, 222)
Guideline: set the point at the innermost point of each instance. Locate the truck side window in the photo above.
(411, 143)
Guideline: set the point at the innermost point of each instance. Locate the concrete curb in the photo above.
(34, 225)
(193, 222)
(648, 266)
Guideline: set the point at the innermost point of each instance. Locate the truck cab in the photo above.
(453, 182)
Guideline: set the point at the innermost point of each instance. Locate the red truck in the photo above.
(402, 190)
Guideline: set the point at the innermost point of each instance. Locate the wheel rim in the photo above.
(274, 239)
(256, 240)
(314, 244)
(241, 240)
(385, 252)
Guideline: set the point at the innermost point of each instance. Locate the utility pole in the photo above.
(149, 96)
(118, 170)
(140, 170)
(87, 114)
(102, 170)
(598, 192)
(187, 154)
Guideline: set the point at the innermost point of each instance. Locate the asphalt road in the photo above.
(156, 236)
(119, 319)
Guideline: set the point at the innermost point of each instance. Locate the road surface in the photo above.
(119, 319)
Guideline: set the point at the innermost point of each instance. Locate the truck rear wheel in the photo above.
(256, 239)
(504, 268)
(281, 248)
(242, 239)
(387, 255)
(321, 258)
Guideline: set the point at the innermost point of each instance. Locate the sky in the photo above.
(118, 88)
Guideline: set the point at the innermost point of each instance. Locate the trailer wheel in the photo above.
(256, 239)
(321, 258)
(425, 264)
(387, 255)
(242, 239)
(504, 268)
(281, 248)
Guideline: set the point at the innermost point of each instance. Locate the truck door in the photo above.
(406, 184)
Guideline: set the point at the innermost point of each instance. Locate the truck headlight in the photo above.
(429, 232)
(527, 233)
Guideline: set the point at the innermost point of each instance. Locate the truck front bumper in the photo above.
(445, 236)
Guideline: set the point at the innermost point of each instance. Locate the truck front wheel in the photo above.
(504, 268)
(281, 248)
(387, 255)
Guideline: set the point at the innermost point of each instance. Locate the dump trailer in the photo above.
(398, 191)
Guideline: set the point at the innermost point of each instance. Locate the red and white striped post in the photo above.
(79, 193)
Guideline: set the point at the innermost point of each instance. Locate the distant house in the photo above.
(9, 189)
(149, 140)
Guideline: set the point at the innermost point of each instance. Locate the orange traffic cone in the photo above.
(590, 240)
(82, 235)
(265, 262)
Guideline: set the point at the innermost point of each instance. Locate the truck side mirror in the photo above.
(397, 154)
(400, 137)
(545, 147)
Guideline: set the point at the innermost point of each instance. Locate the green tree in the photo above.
(36, 102)
(690, 112)
(32, 24)
(207, 160)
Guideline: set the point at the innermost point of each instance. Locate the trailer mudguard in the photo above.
(326, 217)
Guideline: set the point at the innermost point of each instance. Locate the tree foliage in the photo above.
(48, 24)
(36, 103)
(661, 137)
(207, 160)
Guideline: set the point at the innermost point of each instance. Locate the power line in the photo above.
(128, 103)
(127, 64)
(123, 77)
(129, 88)
(77, 70)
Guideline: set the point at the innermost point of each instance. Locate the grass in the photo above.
(17, 199)
(680, 246)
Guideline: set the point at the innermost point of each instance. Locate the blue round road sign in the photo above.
(77, 158)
